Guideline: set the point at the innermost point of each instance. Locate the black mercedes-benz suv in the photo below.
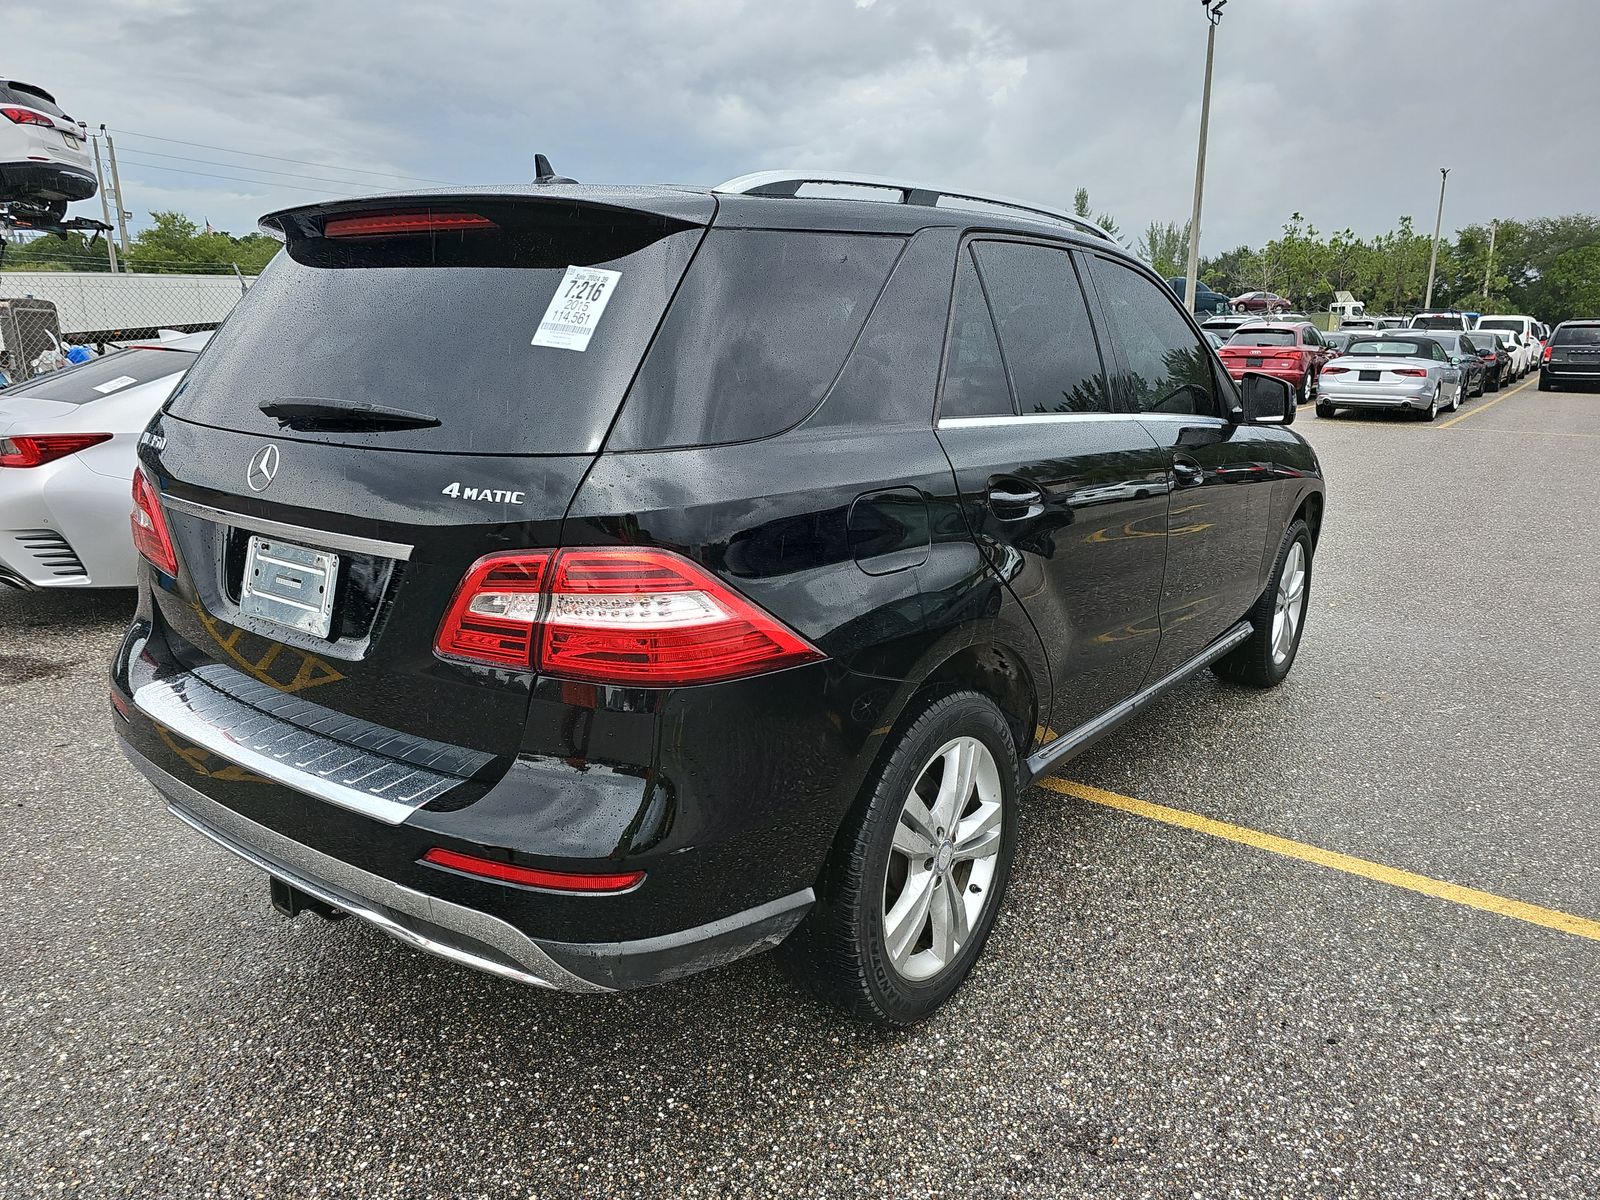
(594, 585)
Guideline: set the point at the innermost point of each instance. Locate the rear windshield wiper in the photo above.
(313, 413)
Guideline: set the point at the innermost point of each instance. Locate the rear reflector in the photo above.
(393, 223)
(615, 615)
(150, 536)
(36, 450)
(555, 881)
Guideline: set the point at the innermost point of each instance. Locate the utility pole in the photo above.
(1190, 283)
(1438, 223)
(116, 184)
(105, 209)
(1488, 267)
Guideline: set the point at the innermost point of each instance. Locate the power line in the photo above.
(280, 158)
(261, 170)
(266, 183)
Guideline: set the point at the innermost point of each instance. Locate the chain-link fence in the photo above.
(50, 319)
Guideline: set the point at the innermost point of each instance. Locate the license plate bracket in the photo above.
(1370, 376)
(289, 584)
(1252, 362)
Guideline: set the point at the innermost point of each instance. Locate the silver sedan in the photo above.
(1390, 370)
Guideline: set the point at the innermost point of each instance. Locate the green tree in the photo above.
(1165, 247)
(173, 243)
(1080, 207)
(1571, 287)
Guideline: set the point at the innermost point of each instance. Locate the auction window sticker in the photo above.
(576, 308)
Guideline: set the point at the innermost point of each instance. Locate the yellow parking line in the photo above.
(1504, 906)
(1526, 383)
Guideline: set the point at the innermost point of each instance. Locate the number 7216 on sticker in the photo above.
(574, 312)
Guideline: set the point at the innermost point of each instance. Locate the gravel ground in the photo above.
(1159, 1013)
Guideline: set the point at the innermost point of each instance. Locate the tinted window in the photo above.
(1578, 335)
(1509, 326)
(444, 324)
(1166, 369)
(974, 376)
(1045, 333)
(1262, 337)
(21, 93)
(757, 334)
(107, 376)
(1436, 323)
(1421, 348)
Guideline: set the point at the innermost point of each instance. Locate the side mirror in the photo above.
(1267, 399)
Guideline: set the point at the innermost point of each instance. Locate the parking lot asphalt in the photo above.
(1161, 1012)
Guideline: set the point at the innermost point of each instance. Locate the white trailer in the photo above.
(97, 306)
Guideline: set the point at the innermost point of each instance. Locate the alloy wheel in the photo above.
(942, 862)
(1290, 604)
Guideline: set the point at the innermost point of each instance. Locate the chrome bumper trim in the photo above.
(425, 922)
(321, 538)
(256, 727)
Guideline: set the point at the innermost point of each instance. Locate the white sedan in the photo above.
(67, 447)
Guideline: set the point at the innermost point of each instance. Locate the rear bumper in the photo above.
(47, 180)
(467, 935)
(1293, 377)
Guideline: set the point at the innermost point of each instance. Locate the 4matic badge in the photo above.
(493, 495)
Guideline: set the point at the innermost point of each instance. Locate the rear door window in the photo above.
(1578, 335)
(974, 374)
(1166, 368)
(755, 337)
(107, 376)
(1046, 337)
(444, 324)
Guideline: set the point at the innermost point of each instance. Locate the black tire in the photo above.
(1432, 411)
(840, 950)
(1544, 382)
(1253, 663)
(1303, 392)
(1493, 385)
(1326, 410)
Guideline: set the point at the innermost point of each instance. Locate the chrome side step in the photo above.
(1045, 759)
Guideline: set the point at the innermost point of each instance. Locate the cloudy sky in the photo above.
(1341, 109)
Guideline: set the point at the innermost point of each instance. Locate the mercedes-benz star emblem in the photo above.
(262, 468)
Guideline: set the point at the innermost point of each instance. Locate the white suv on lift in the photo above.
(43, 163)
(1522, 333)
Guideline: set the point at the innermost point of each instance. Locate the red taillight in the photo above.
(495, 612)
(1417, 372)
(615, 615)
(26, 116)
(558, 881)
(1332, 370)
(390, 224)
(150, 536)
(36, 450)
(1546, 356)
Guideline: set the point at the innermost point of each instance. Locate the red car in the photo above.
(1294, 352)
(1267, 302)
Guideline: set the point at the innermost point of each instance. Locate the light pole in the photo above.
(1213, 15)
(1488, 267)
(1438, 222)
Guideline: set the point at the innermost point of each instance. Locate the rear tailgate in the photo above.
(269, 452)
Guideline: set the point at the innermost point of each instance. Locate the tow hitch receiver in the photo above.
(291, 901)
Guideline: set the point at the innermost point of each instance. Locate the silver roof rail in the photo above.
(789, 183)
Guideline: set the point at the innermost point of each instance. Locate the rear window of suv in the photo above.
(20, 93)
(444, 324)
(1578, 335)
(1266, 337)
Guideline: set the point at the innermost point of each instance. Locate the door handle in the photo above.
(1012, 499)
(1187, 471)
